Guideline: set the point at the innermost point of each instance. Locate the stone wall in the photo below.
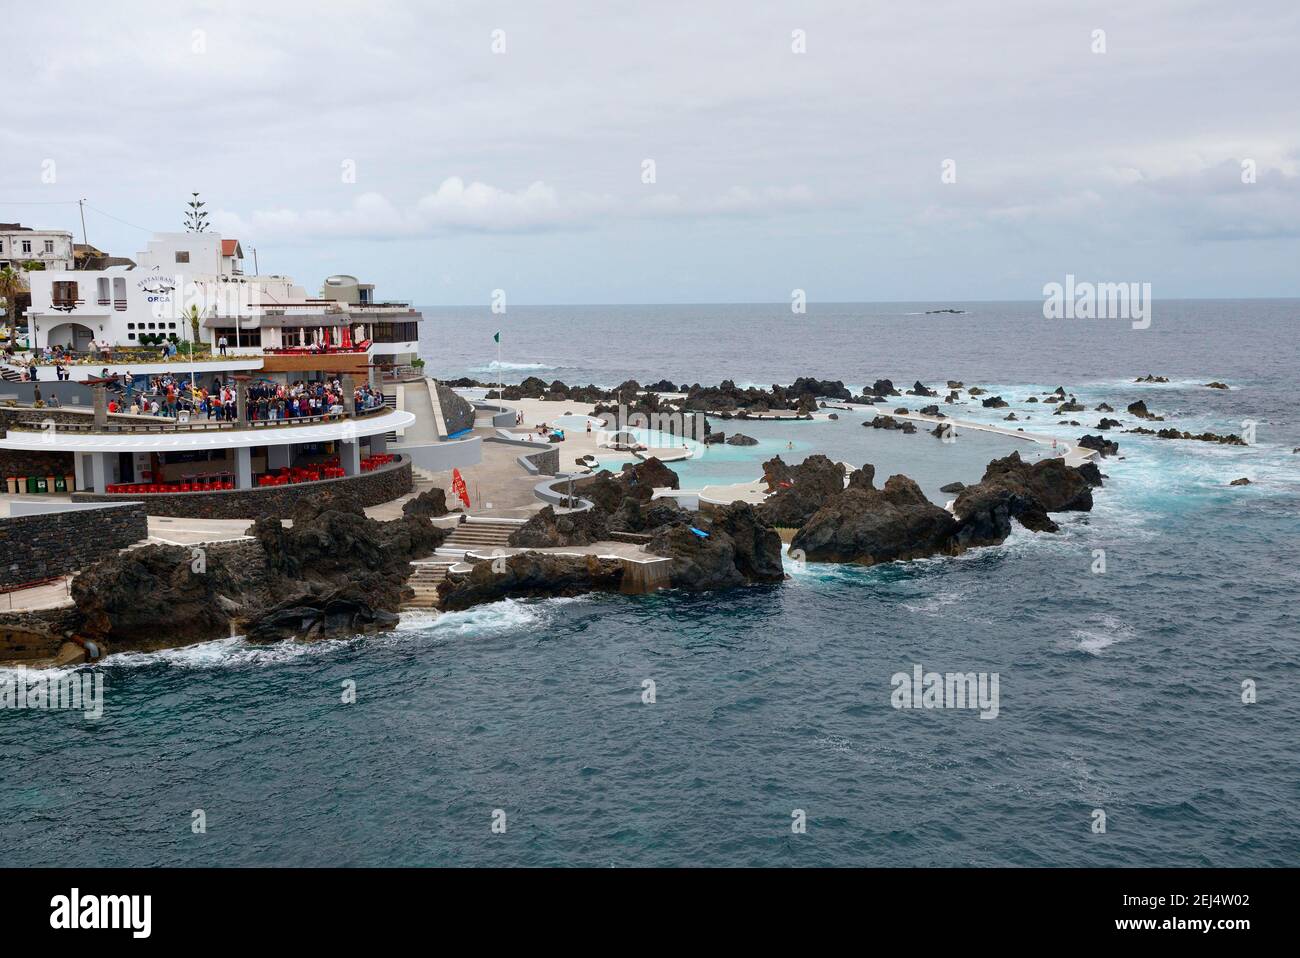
(547, 461)
(24, 462)
(370, 488)
(457, 412)
(56, 543)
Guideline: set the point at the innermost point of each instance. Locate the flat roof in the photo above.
(200, 441)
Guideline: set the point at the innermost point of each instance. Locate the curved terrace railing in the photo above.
(169, 426)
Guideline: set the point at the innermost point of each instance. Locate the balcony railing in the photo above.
(166, 426)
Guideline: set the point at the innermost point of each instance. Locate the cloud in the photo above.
(457, 206)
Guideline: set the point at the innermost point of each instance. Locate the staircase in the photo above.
(10, 375)
(424, 580)
(481, 535)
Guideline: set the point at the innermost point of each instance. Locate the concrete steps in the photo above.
(479, 534)
(424, 581)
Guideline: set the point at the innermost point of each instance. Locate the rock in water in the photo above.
(140, 597)
(739, 548)
(800, 490)
(1056, 486)
(1140, 410)
(867, 526)
(740, 439)
(1243, 481)
(1101, 444)
(650, 473)
(529, 575)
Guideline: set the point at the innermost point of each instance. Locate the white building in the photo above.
(20, 244)
(184, 275)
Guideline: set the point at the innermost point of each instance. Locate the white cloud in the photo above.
(479, 207)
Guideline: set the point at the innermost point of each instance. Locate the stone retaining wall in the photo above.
(547, 461)
(457, 411)
(29, 462)
(56, 543)
(370, 488)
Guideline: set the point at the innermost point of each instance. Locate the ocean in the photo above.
(1120, 691)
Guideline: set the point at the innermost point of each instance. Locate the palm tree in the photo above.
(12, 285)
(193, 317)
(196, 220)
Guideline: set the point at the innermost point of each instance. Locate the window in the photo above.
(247, 337)
(182, 256)
(2, 246)
(101, 287)
(119, 294)
(130, 325)
(27, 246)
(171, 325)
(64, 293)
(130, 335)
(49, 246)
(153, 326)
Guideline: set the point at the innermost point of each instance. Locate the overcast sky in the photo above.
(774, 170)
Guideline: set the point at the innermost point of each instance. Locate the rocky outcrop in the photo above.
(334, 572)
(994, 402)
(545, 529)
(1148, 378)
(739, 439)
(529, 575)
(1243, 481)
(1053, 484)
(889, 422)
(953, 487)
(1101, 444)
(1140, 410)
(638, 480)
(884, 387)
(1229, 439)
(643, 517)
(1216, 385)
(920, 389)
(431, 503)
(867, 526)
(1106, 423)
(799, 490)
(650, 473)
(737, 548)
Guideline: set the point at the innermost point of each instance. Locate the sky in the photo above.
(859, 151)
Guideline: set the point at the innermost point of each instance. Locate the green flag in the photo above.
(496, 337)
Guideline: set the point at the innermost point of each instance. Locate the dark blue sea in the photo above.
(1120, 691)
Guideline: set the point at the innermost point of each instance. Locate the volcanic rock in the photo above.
(545, 529)
(868, 526)
(799, 490)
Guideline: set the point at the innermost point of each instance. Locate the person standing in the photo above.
(221, 343)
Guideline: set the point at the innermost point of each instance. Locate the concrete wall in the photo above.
(369, 488)
(60, 541)
(69, 393)
(443, 456)
(501, 415)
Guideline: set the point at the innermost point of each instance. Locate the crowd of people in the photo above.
(168, 394)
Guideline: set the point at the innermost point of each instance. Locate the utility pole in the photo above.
(256, 271)
(81, 204)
